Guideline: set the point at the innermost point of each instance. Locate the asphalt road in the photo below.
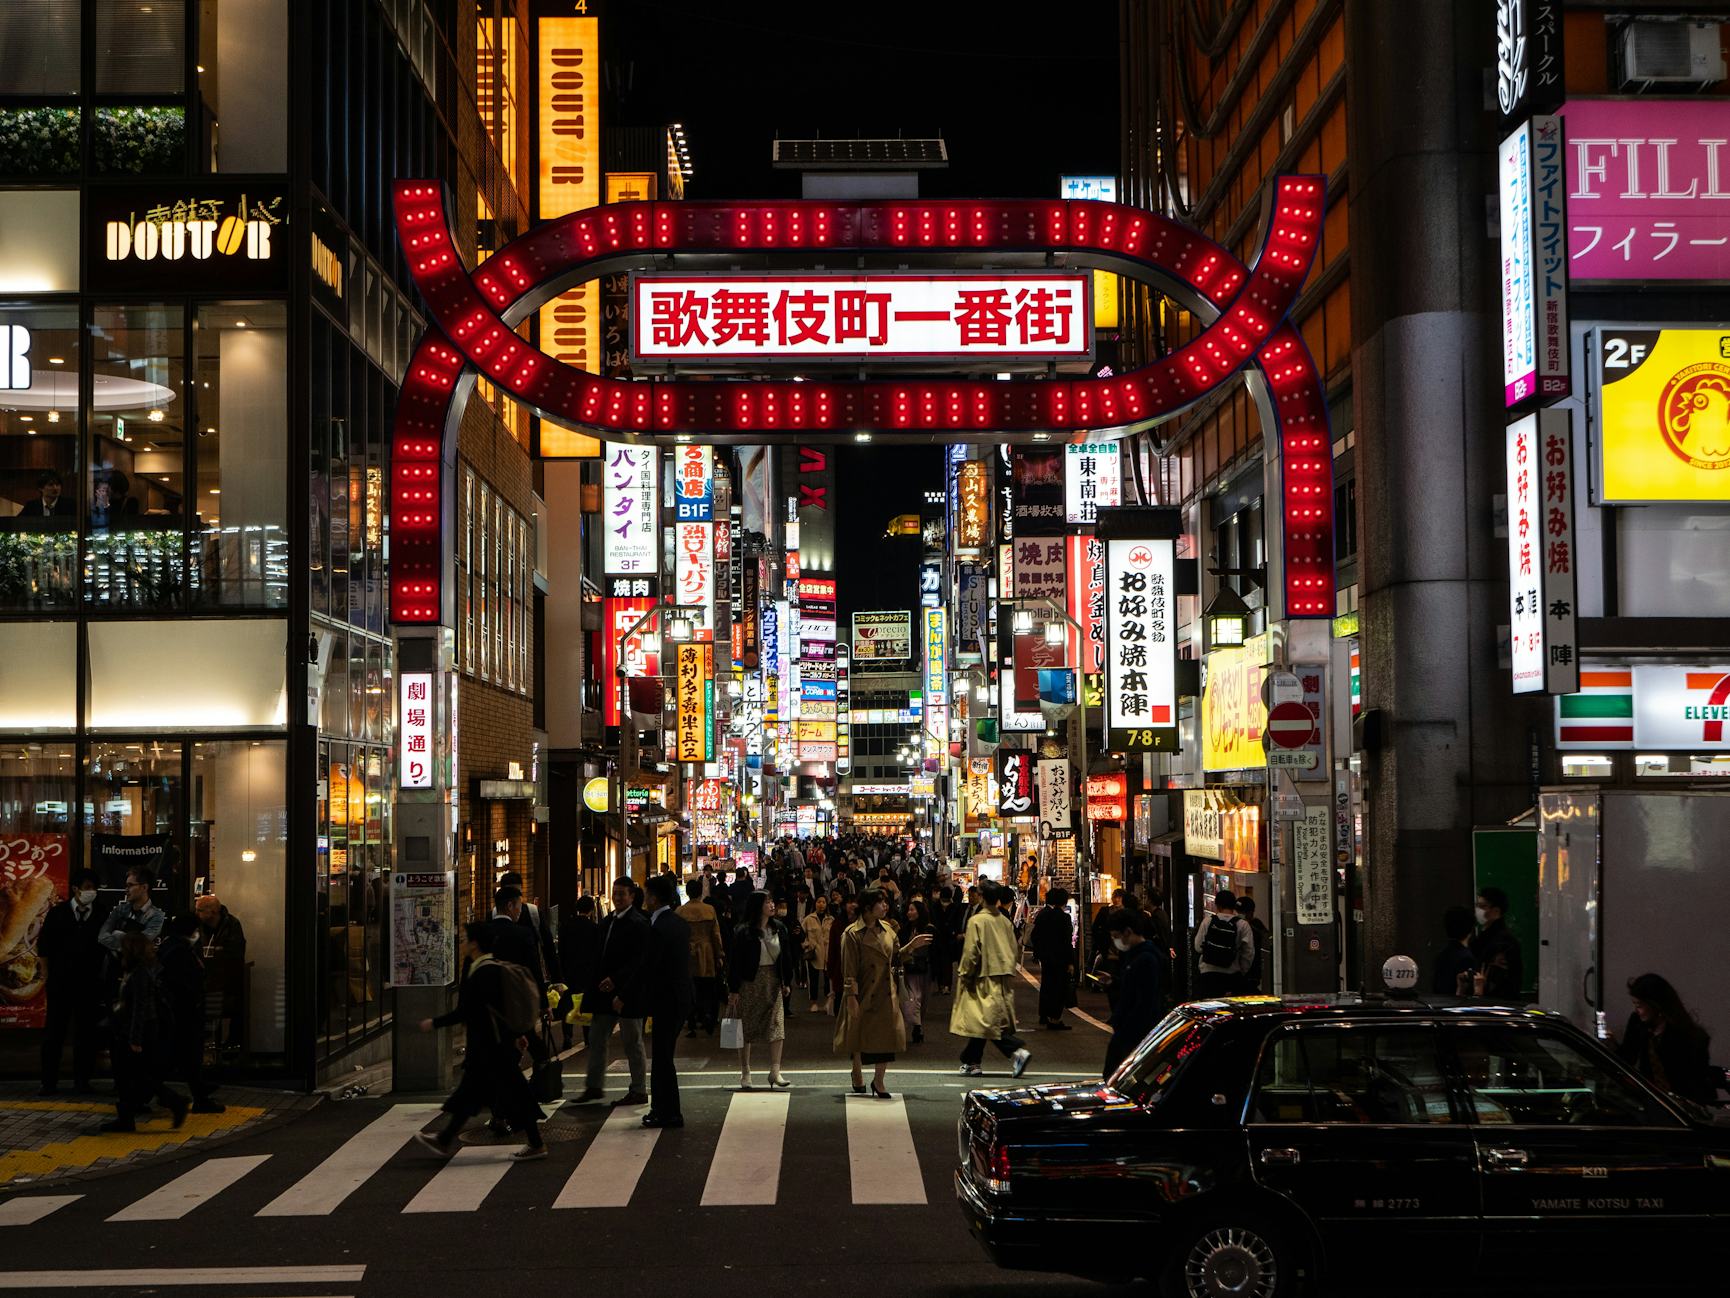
(808, 1191)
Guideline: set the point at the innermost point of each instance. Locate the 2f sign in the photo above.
(1625, 354)
(14, 357)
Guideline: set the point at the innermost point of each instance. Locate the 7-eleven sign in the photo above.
(1680, 707)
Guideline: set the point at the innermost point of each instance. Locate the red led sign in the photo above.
(474, 315)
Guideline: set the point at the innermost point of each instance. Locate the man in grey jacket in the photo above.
(1224, 948)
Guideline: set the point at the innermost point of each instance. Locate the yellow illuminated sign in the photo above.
(1232, 713)
(631, 187)
(1104, 300)
(1664, 415)
(569, 181)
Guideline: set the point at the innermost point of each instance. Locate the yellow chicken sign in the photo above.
(1664, 415)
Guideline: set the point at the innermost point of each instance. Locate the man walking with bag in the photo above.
(497, 1005)
(617, 995)
(667, 973)
(1225, 949)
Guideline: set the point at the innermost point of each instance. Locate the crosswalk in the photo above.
(876, 1160)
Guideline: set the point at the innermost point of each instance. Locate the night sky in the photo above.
(1022, 93)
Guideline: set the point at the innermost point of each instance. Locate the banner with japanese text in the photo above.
(630, 509)
(1141, 644)
(695, 695)
(1544, 641)
(34, 874)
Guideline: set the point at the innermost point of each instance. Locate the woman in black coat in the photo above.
(763, 965)
(142, 1022)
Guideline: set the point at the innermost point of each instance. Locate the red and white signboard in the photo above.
(694, 571)
(415, 730)
(850, 317)
(1544, 637)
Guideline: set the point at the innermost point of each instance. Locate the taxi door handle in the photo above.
(1505, 1158)
(1280, 1156)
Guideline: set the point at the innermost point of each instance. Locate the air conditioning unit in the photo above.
(1670, 53)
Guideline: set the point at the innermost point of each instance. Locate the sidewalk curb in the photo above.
(300, 1107)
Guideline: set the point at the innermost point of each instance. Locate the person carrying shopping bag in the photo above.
(870, 1027)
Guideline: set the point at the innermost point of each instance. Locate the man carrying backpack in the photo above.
(499, 1005)
(1225, 949)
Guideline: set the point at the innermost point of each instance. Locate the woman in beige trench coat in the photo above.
(984, 1008)
(870, 1027)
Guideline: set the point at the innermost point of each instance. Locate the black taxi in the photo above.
(1256, 1146)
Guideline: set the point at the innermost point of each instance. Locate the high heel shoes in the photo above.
(879, 1095)
(858, 1088)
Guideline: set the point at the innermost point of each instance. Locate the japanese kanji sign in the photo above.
(1541, 621)
(1091, 479)
(1140, 644)
(642, 655)
(1051, 775)
(881, 635)
(694, 571)
(860, 317)
(1313, 865)
(1648, 184)
(415, 730)
(695, 686)
(1534, 219)
(629, 509)
(1087, 603)
(1528, 57)
(1041, 567)
(694, 484)
(1014, 782)
(973, 506)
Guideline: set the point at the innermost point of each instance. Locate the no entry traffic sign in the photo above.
(1290, 725)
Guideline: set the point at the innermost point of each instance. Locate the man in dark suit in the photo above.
(617, 994)
(513, 940)
(75, 963)
(667, 972)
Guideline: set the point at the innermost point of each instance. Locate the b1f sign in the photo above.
(1534, 219)
(861, 317)
(694, 484)
(415, 730)
(1545, 643)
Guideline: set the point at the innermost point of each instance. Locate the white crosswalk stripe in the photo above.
(608, 1174)
(322, 1190)
(184, 1193)
(32, 1208)
(463, 1183)
(880, 1153)
(747, 1163)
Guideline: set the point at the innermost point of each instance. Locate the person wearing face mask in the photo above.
(75, 959)
(1140, 992)
(1501, 970)
(137, 914)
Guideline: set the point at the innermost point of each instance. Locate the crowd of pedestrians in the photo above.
(161, 994)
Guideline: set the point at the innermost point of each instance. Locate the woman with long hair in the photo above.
(916, 969)
(762, 964)
(870, 1028)
(1664, 1043)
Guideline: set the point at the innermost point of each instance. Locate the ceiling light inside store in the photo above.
(57, 360)
(156, 416)
(53, 416)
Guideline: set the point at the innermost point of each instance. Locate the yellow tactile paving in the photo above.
(53, 1106)
(83, 1151)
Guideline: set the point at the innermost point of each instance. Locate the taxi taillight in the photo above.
(997, 1170)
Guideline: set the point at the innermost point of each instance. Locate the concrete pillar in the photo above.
(1427, 403)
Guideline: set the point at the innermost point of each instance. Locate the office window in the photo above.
(140, 48)
(39, 46)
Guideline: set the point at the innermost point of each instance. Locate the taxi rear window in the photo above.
(1149, 1073)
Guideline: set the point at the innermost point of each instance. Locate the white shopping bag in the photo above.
(732, 1034)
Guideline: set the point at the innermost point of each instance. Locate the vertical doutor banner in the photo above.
(1140, 628)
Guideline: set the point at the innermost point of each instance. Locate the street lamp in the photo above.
(682, 617)
(1227, 619)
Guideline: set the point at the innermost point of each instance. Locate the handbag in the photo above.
(732, 1034)
(548, 1081)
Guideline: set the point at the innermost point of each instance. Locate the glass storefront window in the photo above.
(212, 674)
(38, 676)
(1587, 766)
(239, 854)
(242, 85)
(39, 241)
(136, 492)
(134, 808)
(39, 46)
(38, 456)
(1698, 766)
(38, 785)
(140, 48)
(240, 454)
